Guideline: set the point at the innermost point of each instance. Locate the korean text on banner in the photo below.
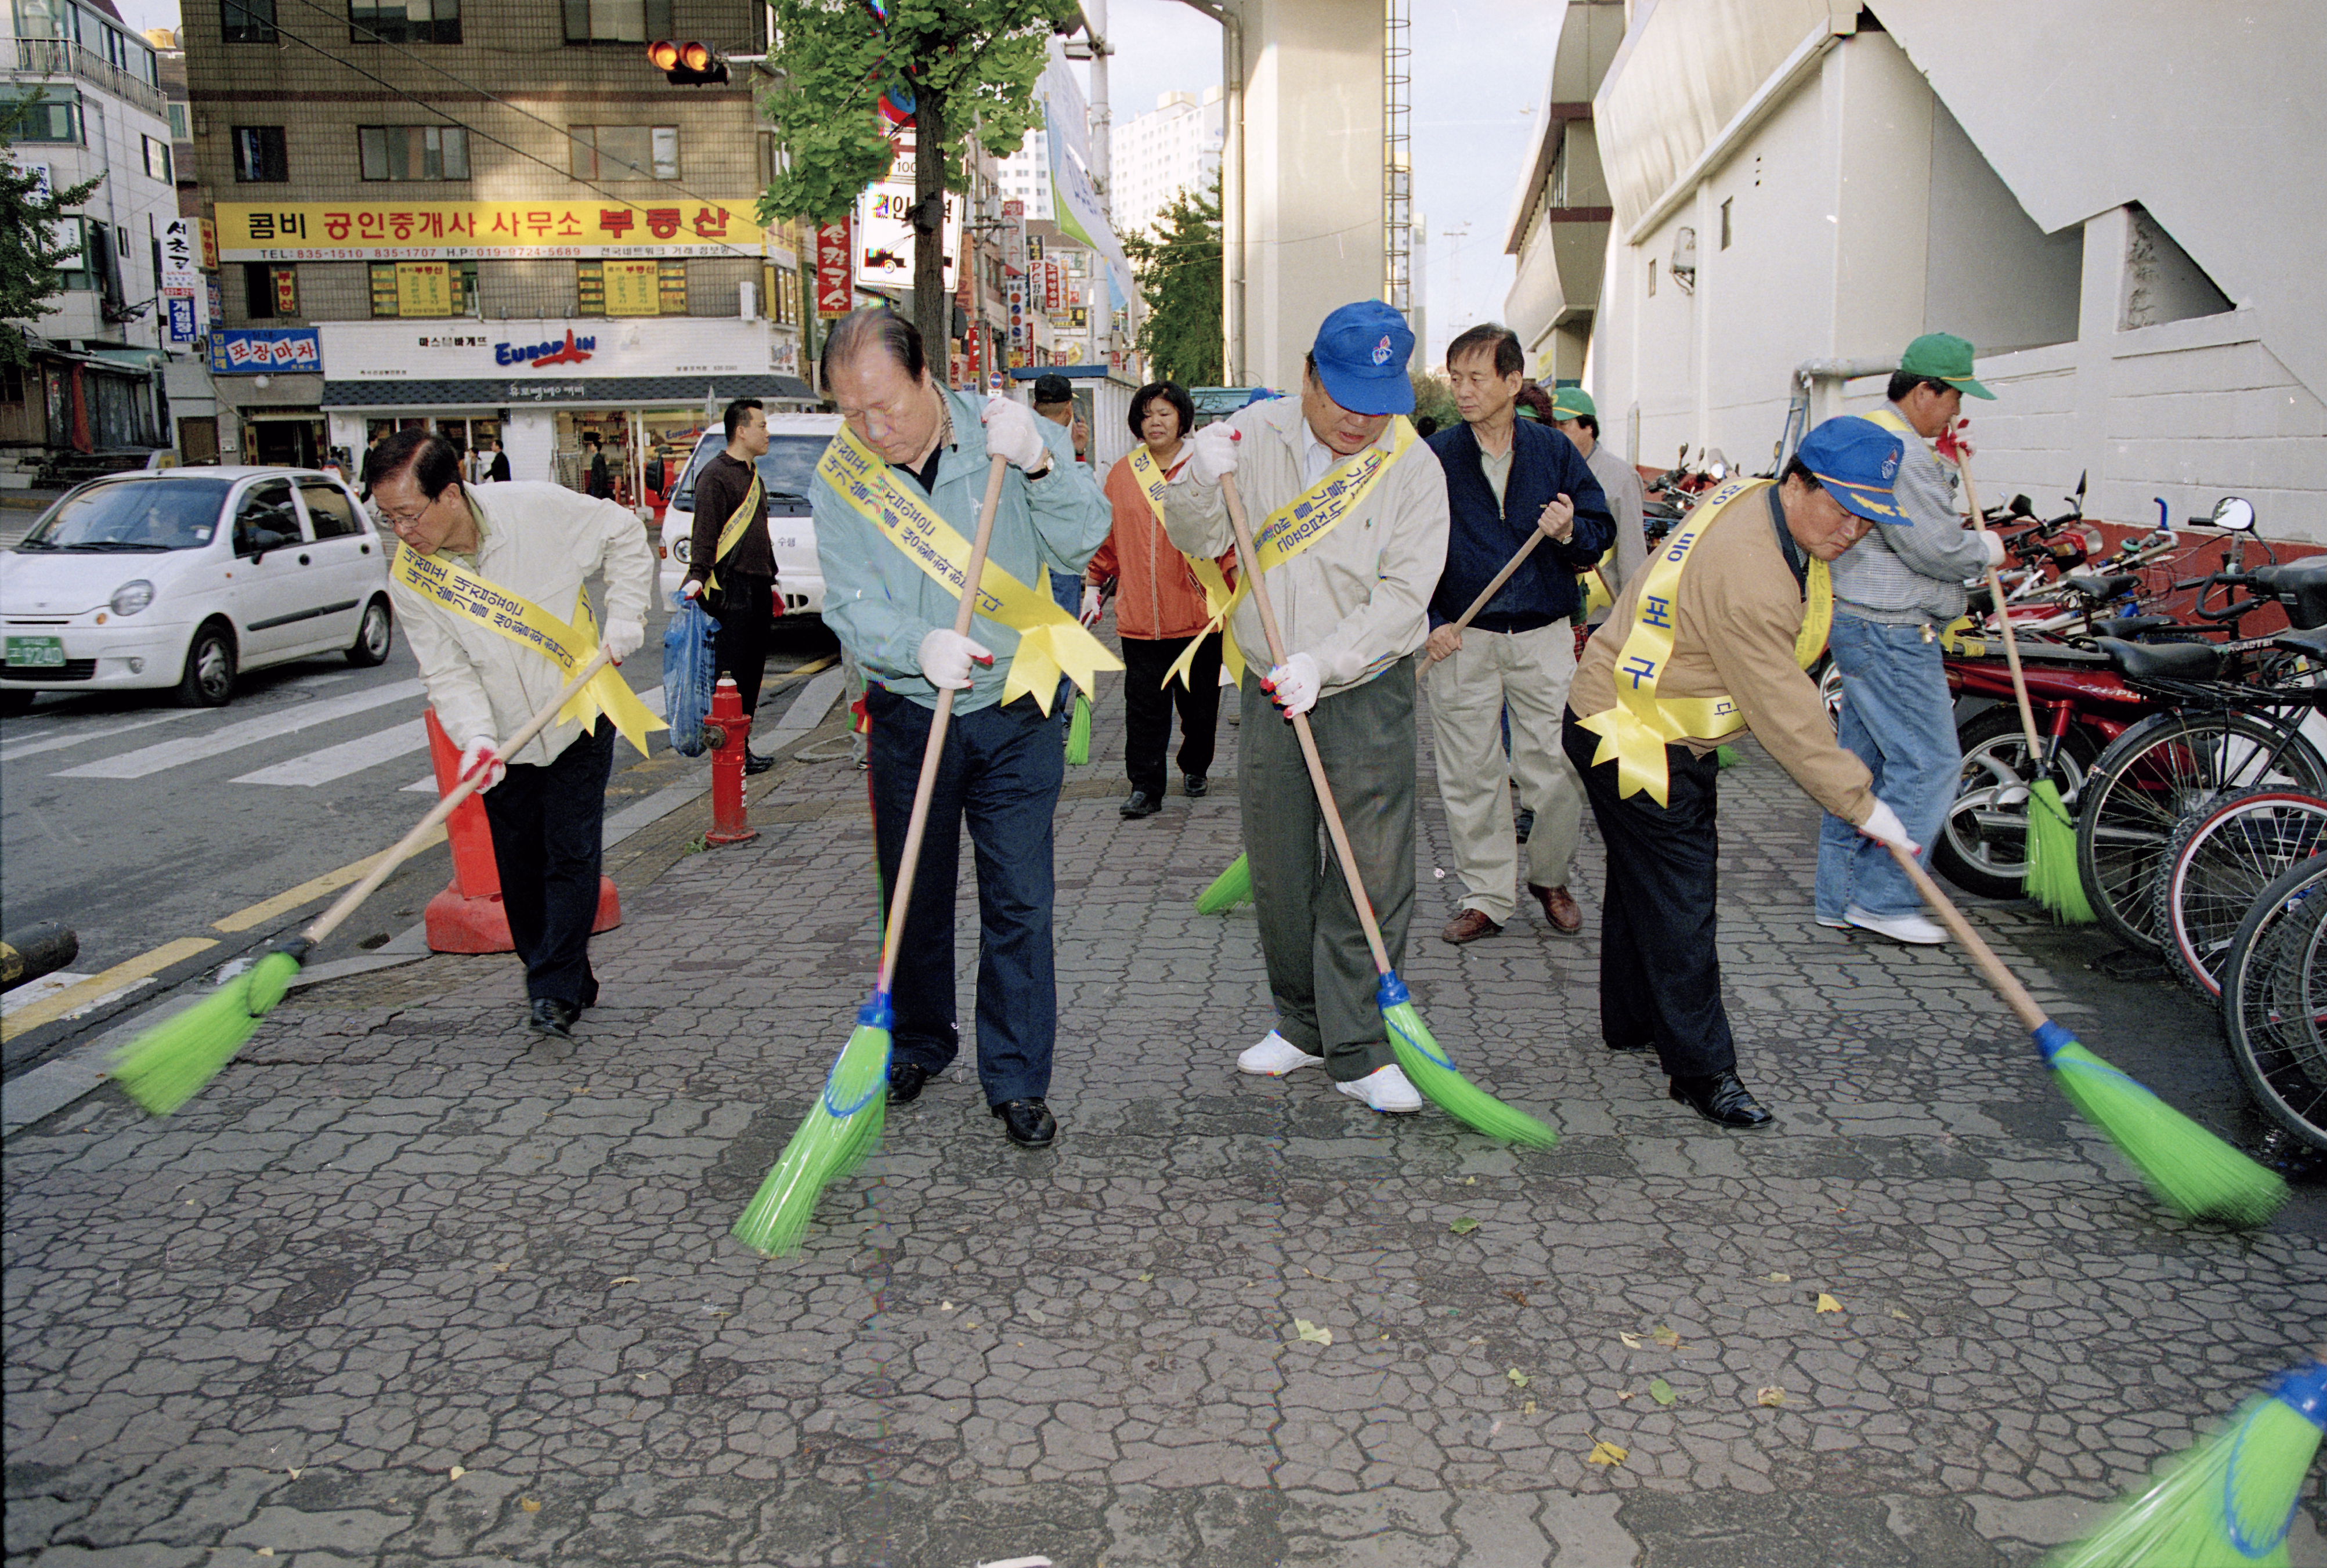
(466, 230)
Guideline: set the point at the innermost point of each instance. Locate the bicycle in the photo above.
(2216, 864)
(2274, 1001)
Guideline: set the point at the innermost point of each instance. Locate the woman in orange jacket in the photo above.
(1160, 606)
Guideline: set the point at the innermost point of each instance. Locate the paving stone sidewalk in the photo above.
(399, 1290)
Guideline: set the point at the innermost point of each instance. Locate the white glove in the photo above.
(479, 755)
(946, 655)
(1091, 604)
(624, 638)
(1883, 825)
(1295, 684)
(1012, 435)
(1214, 453)
(691, 589)
(1994, 543)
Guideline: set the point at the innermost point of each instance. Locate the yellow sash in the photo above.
(453, 587)
(1206, 571)
(1636, 731)
(731, 532)
(1593, 584)
(1051, 642)
(1299, 523)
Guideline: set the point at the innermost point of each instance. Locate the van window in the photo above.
(784, 472)
(327, 510)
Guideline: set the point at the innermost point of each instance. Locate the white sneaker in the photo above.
(1275, 1057)
(1911, 928)
(1385, 1089)
(1832, 922)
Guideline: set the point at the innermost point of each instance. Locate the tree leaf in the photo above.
(1665, 1337)
(1632, 1341)
(1464, 1226)
(457, 1472)
(1900, 1316)
(533, 1505)
(1662, 1391)
(1312, 1332)
(1826, 1303)
(1782, 1279)
(1608, 1453)
(1773, 1397)
(633, 1279)
(1518, 1378)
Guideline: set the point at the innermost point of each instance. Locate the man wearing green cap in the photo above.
(1620, 481)
(1894, 592)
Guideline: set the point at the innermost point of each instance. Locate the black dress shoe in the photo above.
(905, 1081)
(551, 1017)
(589, 995)
(1198, 787)
(1721, 1099)
(754, 764)
(1027, 1123)
(1140, 803)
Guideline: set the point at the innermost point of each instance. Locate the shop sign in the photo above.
(834, 296)
(1014, 292)
(1014, 236)
(574, 351)
(885, 236)
(209, 244)
(466, 231)
(542, 391)
(178, 268)
(783, 356)
(708, 346)
(248, 350)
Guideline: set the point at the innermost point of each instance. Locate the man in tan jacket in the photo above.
(1350, 509)
(1713, 637)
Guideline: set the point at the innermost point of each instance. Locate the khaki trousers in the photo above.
(1529, 672)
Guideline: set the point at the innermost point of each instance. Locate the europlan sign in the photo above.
(461, 348)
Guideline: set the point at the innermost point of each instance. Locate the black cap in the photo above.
(1052, 389)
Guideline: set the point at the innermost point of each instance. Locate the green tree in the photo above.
(31, 253)
(1180, 283)
(1433, 398)
(966, 63)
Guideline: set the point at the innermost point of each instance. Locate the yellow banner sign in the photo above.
(390, 230)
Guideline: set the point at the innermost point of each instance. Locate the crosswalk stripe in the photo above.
(9, 753)
(348, 757)
(150, 760)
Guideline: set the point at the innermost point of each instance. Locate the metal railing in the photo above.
(61, 57)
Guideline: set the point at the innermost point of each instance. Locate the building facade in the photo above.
(494, 218)
(1173, 147)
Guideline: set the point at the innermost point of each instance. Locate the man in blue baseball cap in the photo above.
(1713, 637)
(1362, 505)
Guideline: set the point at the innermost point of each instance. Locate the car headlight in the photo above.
(680, 550)
(132, 597)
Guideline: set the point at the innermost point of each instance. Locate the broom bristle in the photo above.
(1078, 732)
(168, 1065)
(2229, 1500)
(1230, 888)
(1432, 1072)
(842, 1126)
(2197, 1174)
(1726, 757)
(2053, 878)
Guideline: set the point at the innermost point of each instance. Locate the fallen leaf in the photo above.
(1900, 1316)
(1782, 1279)
(530, 1505)
(1146, 1277)
(1469, 1180)
(1665, 1337)
(1606, 1453)
(295, 1474)
(1312, 1332)
(1623, 1395)
(458, 1472)
(945, 1306)
(1632, 1341)
(270, 1551)
(633, 1279)
(1518, 1378)
(1826, 1303)
(1772, 1397)
(1519, 1296)
(1464, 1226)
(1662, 1391)
(1528, 1408)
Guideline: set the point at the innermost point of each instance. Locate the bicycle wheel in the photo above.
(2220, 860)
(2148, 779)
(2275, 1000)
(1983, 845)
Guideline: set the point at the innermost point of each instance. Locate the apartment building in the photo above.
(1173, 147)
(496, 218)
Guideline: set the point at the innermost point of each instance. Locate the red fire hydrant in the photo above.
(726, 732)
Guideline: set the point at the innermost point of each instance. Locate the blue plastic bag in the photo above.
(690, 670)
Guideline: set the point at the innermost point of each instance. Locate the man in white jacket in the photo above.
(547, 804)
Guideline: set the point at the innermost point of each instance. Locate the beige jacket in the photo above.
(1356, 601)
(542, 541)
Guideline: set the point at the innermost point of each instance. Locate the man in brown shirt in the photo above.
(742, 582)
(1751, 575)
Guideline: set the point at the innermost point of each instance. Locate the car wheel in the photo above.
(208, 679)
(373, 636)
(15, 704)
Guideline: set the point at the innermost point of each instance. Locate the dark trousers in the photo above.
(549, 827)
(1659, 969)
(1148, 707)
(1000, 771)
(744, 609)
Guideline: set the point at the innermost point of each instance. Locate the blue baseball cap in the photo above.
(1361, 352)
(1857, 460)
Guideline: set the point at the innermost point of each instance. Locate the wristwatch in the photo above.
(1049, 466)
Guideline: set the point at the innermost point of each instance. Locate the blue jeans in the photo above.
(1000, 770)
(1898, 719)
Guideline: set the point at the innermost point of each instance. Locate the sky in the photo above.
(1480, 71)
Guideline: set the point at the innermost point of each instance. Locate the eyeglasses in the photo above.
(404, 519)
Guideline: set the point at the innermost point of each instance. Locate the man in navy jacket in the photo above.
(1505, 480)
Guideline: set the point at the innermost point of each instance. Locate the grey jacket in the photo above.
(1910, 573)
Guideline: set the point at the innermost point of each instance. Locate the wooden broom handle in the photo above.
(408, 846)
(1333, 828)
(2011, 641)
(1991, 967)
(917, 826)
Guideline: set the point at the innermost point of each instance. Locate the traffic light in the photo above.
(687, 64)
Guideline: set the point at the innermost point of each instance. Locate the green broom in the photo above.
(1726, 757)
(2227, 1503)
(168, 1065)
(2195, 1174)
(845, 1123)
(1431, 1070)
(1078, 732)
(2053, 878)
(1230, 888)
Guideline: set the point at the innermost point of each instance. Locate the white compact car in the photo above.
(183, 577)
(795, 442)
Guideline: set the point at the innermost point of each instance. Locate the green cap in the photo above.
(1943, 357)
(1573, 403)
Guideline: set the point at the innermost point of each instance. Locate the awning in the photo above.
(555, 392)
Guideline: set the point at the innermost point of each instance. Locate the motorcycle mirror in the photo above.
(2080, 487)
(1718, 471)
(1714, 454)
(2022, 507)
(2234, 514)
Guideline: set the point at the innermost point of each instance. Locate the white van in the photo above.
(795, 442)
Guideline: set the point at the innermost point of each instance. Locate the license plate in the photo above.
(36, 652)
